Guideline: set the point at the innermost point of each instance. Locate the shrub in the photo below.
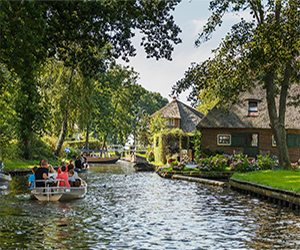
(266, 163)
(150, 156)
(176, 165)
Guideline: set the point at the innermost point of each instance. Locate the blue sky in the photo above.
(160, 76)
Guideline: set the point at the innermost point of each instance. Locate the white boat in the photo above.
(52, 192)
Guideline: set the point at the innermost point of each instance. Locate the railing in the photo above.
(48, 189)
(116, 148)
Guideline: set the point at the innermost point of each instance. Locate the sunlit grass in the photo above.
(287, 180)
(21, 164)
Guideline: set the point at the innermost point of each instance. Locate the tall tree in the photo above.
(263, 50)
(22, 50)
(74, 32)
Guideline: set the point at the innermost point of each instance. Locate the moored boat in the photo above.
(50, 191)
(102, 160)
(5, 177)
(100, 157)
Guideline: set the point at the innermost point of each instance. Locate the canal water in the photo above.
(128, 210)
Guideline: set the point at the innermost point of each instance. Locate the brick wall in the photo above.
(209, 139)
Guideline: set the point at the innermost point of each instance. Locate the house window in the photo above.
(224, 140)
(252, 110)
(170, 122)
(293, 141)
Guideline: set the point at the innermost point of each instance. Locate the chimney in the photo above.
(174, 98)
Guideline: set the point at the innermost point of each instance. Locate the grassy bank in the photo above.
(21, 164)
(287, 180)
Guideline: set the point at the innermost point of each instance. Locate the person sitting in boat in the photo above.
(83, 161)
(75, 174)
(63, 176)
(78, 162)
(70, 163)
(31, 178)
(52, 173)
(62, 164)
(71, 177)
(41, 173)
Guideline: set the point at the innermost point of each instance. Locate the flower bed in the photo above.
(221, 163)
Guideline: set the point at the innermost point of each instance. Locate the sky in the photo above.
(160, 76)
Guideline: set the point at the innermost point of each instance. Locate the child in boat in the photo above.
(63, 176)
(31, 178)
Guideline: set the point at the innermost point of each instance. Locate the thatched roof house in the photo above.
(180, 115)
(246, 127)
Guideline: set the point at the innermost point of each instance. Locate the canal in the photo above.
(128, 210)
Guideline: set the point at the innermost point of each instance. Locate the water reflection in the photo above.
(128, 210)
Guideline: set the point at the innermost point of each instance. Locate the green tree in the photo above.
(142, 130)
(74, 32)
(157, 124)
(115, 97)
(263, 50)
(22, 51)
(7, 113)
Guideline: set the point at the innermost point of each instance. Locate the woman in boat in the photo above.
(52, 173)
(63, 176)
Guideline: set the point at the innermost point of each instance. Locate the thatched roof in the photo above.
(189, 117)
(238, 117)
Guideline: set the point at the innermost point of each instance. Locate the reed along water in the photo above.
(128, 210)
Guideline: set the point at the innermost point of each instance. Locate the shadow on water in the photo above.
(128, 210)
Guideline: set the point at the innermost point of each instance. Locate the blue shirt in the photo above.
(30, 179)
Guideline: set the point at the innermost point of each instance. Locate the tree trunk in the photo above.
(62, 137)
(277, 122)
(87, 137)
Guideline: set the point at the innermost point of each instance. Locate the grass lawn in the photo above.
(287, 180)
(20, 163)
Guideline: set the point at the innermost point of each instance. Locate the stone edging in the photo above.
(206, 181)
(275, 195)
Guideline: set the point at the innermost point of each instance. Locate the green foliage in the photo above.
(150, 155)
(77, 34)
(266, 163)
(197, 146)
(213, 163)
(94, 144)
(176, 165)
(207, 100)
(157, 125)
(263, 50)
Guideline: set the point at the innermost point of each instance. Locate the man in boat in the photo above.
(78, 162)
(83, 161)
(41, 173)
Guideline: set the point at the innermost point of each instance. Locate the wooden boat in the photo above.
(50, 192)
(102, 160)
(99, 156)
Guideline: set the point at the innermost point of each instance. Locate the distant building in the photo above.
(180, 115)
(246, 127)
